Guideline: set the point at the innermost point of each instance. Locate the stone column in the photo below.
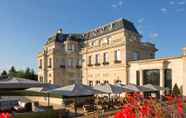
(141, 77)
(184, 76)
(162, 82)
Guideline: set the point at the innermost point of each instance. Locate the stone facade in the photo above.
(174, 64)
(121, 44)
(60, 61)
(110, 53)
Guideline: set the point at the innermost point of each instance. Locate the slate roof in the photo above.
(60, 37)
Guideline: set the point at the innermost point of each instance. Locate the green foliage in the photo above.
(4, 74)
(12, 71)
(181, 90)
(184, 107)
(27, 74)
(46, 114)
(176, 90)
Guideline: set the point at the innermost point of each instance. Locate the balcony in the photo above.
(105, 63)
(78, 66)
(90, 65)
(117, 61)
(97, 64)
(49, 66)
(62, 66)
(40, 67)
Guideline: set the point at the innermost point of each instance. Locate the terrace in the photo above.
(82, 101)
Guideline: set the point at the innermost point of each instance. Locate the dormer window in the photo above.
(93, 43)
(135, 55)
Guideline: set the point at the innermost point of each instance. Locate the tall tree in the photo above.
(4, 74)
(12, 72)
(27, 73)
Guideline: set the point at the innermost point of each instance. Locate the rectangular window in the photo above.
(90, 83)
(79, 63)
(106, 82)
(105, 58)
(117, 55)
(151, 77)
(50, 63)
(137, 78)
(73, 47)
(97, 59)
(69, 47)
(97, 82)
(40, 64)
(168, 78)
(89, 60)
(70, 63)
(41, 79)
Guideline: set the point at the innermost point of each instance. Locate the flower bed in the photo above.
(138, 107)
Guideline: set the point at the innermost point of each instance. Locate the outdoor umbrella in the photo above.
(120, 84)
(46, 89)
(75, 90)
(18, 84)
(110, 89)
(153, 87)
(135, 88)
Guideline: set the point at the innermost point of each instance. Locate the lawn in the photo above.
(48, 114)
(184, 107)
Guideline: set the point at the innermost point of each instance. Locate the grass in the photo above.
(48, 114)
(184, 107)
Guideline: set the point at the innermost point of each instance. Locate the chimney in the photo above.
(60, 31)
(184, 51)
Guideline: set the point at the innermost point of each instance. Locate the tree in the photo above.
(176, 90)
(33, 76)
(4, 74)
(20, 74)
(27, 73)
(12, 72)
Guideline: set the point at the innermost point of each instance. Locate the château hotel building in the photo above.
(111, 53)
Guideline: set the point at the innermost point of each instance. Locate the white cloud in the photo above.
(118, 4)
(140, 29)
(180, 10)
(114, 5)
(164, 10)
(172, 3)
(154, 35)
(141, 20)
(181, 3)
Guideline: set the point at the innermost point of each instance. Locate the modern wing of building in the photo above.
(110, 53)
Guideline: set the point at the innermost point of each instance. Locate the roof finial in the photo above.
(60, 31)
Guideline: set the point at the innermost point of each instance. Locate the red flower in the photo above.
(5, 115)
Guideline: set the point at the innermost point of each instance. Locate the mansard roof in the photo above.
(60, 37)
(113, 26)
(110, 27)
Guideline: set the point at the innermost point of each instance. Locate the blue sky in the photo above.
(25, 25)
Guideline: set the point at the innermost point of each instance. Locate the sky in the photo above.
(25, 25)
